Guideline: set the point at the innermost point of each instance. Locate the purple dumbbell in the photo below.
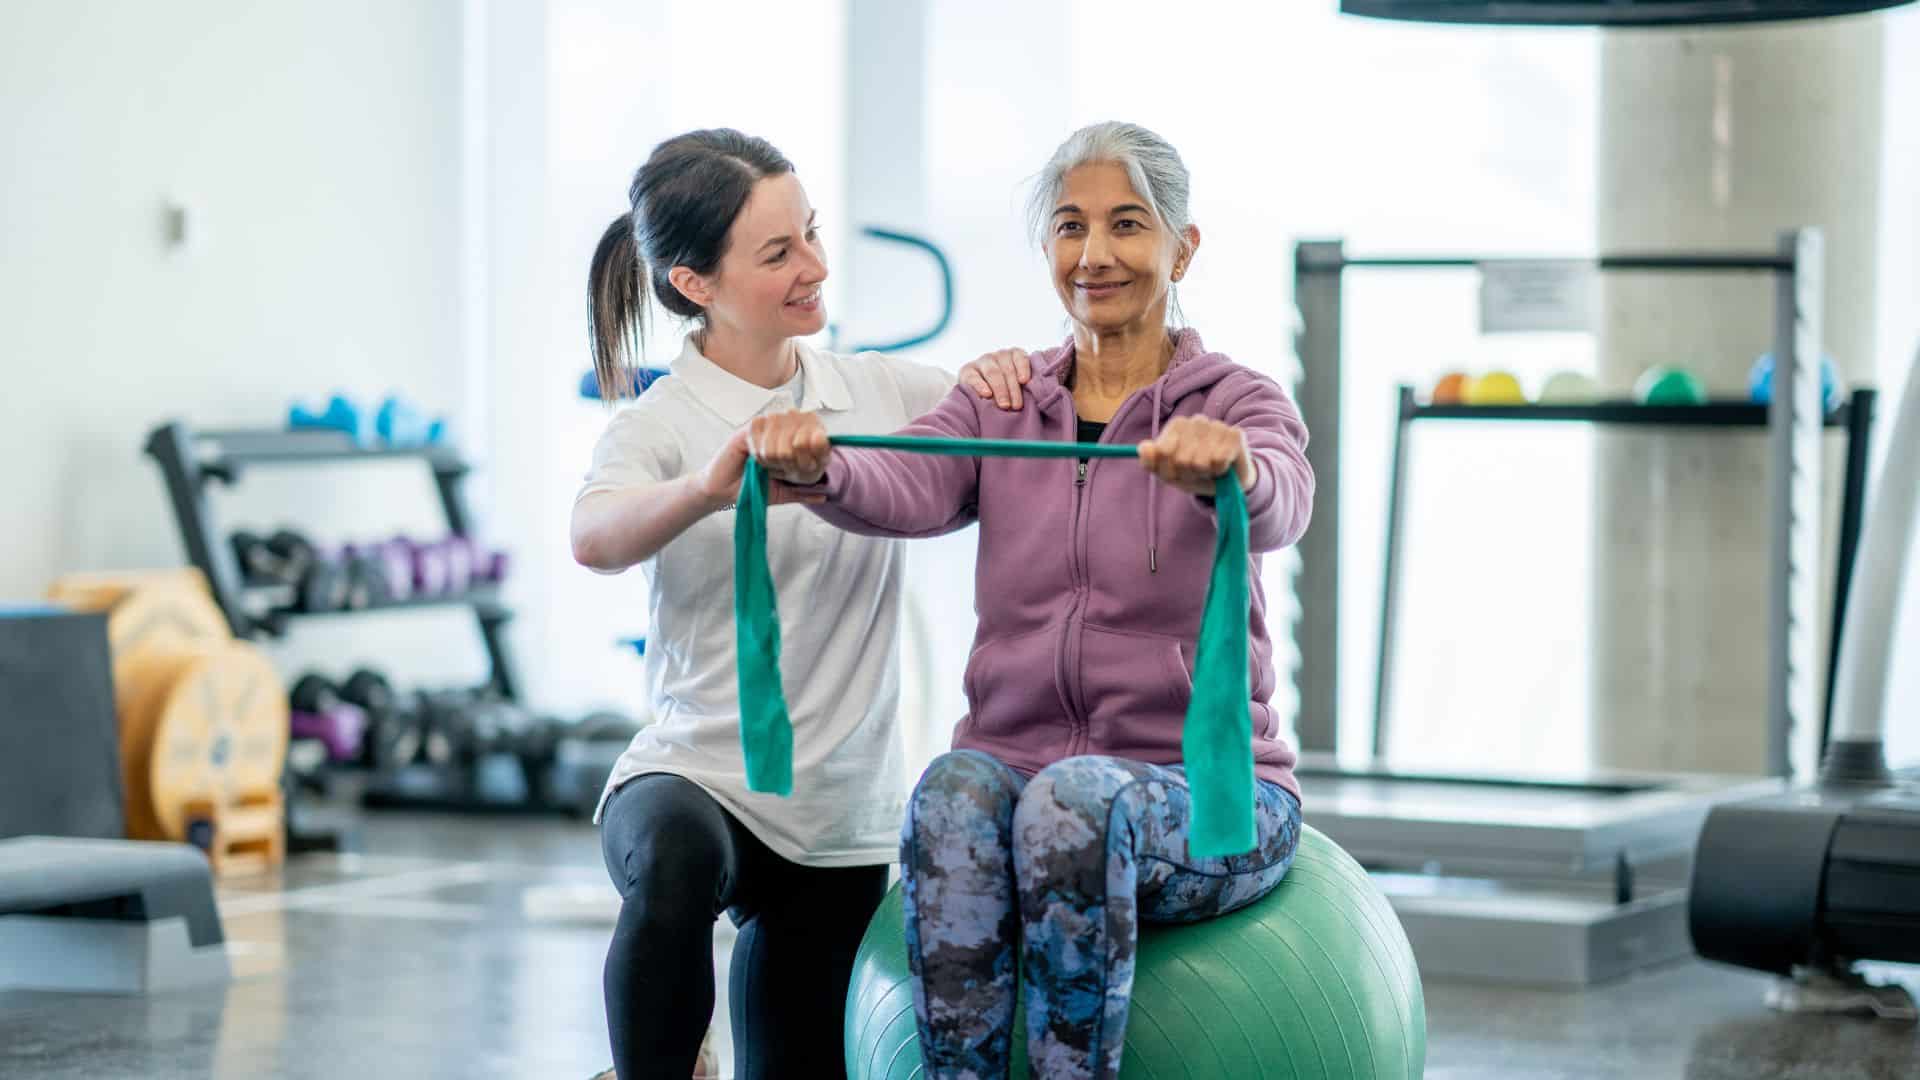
(396, 561)
(460, 558)
(489, 564)
(429, 561)
(496, 563)
(342, 728)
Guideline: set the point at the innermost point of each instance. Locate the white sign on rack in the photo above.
(1530, 295)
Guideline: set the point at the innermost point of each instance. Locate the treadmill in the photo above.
(1815, 883)
(1543, 880)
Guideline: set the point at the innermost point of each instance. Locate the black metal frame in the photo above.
(1792, 422)
(1854, 416)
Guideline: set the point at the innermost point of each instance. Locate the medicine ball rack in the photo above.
(191, 460)
(1854, 416)
(1557, 880)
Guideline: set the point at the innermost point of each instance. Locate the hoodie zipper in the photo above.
(1070, 636)
(1077, 560)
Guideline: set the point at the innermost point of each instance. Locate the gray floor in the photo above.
(471, 947)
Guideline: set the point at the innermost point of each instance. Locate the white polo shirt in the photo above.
(839, 597)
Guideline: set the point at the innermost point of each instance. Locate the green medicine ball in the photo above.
(1663, 385)
(1313, 981)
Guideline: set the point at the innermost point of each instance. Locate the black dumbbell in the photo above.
(496, 723)
(538, 743)
(320, 580)
(446, 727)
(367, 584)
(370, 690)
(295, 552)
(487, 728)
(258, 566)
(323, 587)
(280, 559)
(396, 736)
(313, 693)
(521, 730)
(436, 745)
(397, 740)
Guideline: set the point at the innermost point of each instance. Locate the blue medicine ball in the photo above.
(1760, 381)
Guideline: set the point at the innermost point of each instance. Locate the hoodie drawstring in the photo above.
(1153, 489)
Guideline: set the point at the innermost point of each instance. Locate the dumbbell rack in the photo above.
(191, 460)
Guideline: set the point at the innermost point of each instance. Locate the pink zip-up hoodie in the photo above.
(1091, 575)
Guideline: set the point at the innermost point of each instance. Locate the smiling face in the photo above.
(767, 286)
(1114, 261)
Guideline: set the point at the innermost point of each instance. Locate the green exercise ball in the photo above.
(1315, 980)
(1661, 385)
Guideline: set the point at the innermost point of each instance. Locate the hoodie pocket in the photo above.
(1011, 682)
(1136, 688)
(1180, 675)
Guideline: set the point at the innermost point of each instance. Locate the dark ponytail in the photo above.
(683, 202)
(616, 308)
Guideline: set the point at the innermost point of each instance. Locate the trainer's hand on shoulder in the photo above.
(999, 375)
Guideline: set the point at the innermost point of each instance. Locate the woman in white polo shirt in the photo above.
(721, 233)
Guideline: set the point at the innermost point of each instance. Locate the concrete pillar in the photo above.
(1715, 140)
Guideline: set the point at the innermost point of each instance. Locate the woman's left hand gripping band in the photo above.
(1194, 451)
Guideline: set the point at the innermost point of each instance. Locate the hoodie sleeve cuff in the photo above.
(1262, 492)
(834, 482)
(1259, 494)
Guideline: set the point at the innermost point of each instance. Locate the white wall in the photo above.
(315, 146)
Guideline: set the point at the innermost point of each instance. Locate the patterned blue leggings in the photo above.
(1060, 868)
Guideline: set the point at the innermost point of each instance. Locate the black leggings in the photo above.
(679, 860)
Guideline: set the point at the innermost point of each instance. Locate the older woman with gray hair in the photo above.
(1060, 819)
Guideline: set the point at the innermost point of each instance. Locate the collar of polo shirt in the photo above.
(737, 401)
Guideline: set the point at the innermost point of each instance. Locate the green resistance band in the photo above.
(1217, 743)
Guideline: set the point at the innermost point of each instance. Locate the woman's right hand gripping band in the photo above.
(719, 482)
(791, 446)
